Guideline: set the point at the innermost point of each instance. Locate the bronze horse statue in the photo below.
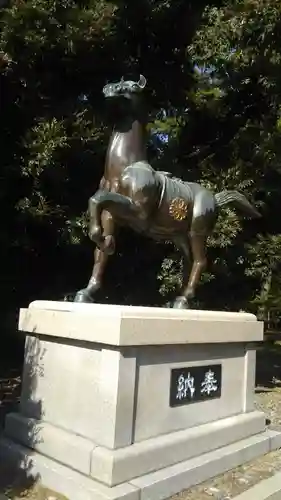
(154, 203)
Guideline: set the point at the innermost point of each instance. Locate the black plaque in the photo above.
(194, 384)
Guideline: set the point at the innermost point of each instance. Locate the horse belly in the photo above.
(163, 226)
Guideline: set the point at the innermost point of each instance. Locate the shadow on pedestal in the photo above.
(16, 471)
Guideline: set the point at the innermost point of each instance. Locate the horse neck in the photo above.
(128, 143)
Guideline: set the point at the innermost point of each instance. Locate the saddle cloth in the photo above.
(176, 195)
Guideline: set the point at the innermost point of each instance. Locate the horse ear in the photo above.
(142, 82)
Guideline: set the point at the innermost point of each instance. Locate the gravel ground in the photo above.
(224, 487)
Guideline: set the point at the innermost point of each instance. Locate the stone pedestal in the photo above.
(135, 403)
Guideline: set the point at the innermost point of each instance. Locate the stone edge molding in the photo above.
(268, 489)
(158, 485)
(113, 467)
(133, 326)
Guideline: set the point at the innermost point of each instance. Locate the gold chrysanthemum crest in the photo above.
(178, 209)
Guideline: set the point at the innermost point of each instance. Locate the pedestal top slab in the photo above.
(131, 326)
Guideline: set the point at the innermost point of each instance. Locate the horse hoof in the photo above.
(181, 303)
(84, 296)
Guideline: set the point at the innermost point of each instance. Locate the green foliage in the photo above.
(240, 42)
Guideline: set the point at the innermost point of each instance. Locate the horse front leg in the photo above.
(117, 205)
(103, 207)
(198, 250)
(101, 257)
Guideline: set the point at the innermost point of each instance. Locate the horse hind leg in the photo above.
(203, 221)
(197, 243)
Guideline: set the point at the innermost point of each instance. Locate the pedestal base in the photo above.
(135, 403)
(157, 485)
(113, 467)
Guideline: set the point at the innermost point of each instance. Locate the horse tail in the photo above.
(238, 201)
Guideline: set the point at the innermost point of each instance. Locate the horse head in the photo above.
(127, 89)
(125, 103)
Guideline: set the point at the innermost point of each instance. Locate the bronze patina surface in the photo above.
(154, 203)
